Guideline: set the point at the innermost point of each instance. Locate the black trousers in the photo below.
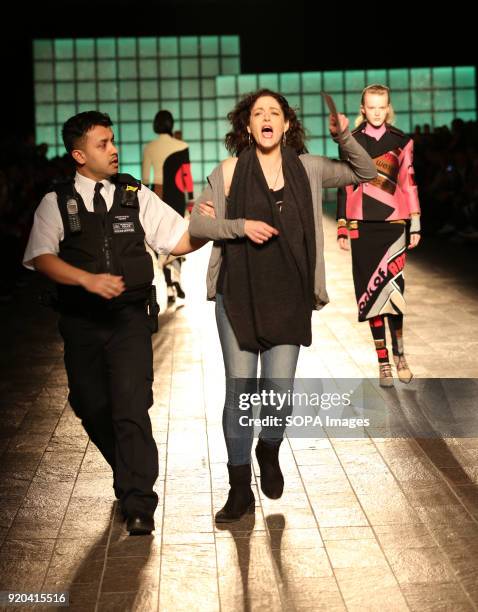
(109, 364)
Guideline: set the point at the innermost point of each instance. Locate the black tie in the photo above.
(99, 204)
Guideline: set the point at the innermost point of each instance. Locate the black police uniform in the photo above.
(108, 349)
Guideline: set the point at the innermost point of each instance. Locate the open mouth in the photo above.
(267, 131)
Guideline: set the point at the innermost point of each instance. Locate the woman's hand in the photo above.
(207, 209)
(258, 231)
(414, 240)
(343, 124)
(344, 244)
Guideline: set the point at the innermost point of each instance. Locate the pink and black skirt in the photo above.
(378, 259)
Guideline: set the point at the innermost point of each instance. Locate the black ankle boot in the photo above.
(241, 499)
(272, 480)
(179, 290)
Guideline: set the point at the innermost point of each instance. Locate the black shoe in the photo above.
(140, 524)
(240, 500)
(171, 295)
(123, 513)
(179, 290)
(118, 491)
(272, 480)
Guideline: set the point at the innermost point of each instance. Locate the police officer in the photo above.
(89, 237)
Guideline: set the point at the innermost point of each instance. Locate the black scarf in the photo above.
(269, 288)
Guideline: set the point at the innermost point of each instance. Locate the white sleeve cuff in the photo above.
(176, 233)
(415, 225)
(30, 256)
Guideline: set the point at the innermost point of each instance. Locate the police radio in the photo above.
(73, 216)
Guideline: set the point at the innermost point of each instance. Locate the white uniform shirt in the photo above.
(162, 225)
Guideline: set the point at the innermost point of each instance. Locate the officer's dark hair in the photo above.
(75, 128)
(163, 123)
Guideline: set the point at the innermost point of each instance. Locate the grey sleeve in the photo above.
(359, 167)
(203, 227)
(341, 196)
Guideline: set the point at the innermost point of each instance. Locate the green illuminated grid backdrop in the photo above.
(198, 79)
(131, 79)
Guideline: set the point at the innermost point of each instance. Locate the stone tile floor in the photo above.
(365, 523)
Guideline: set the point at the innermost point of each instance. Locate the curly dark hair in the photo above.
(238, 138)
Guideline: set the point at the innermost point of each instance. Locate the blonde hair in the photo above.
(380, 90)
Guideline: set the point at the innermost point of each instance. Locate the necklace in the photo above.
(277, 177)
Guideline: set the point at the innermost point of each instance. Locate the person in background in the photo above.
(167, 158)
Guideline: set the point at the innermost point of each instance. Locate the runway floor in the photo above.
(365, 523)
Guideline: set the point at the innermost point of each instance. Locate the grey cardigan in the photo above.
(321, 171)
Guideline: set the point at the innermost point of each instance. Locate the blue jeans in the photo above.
(278, 365)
